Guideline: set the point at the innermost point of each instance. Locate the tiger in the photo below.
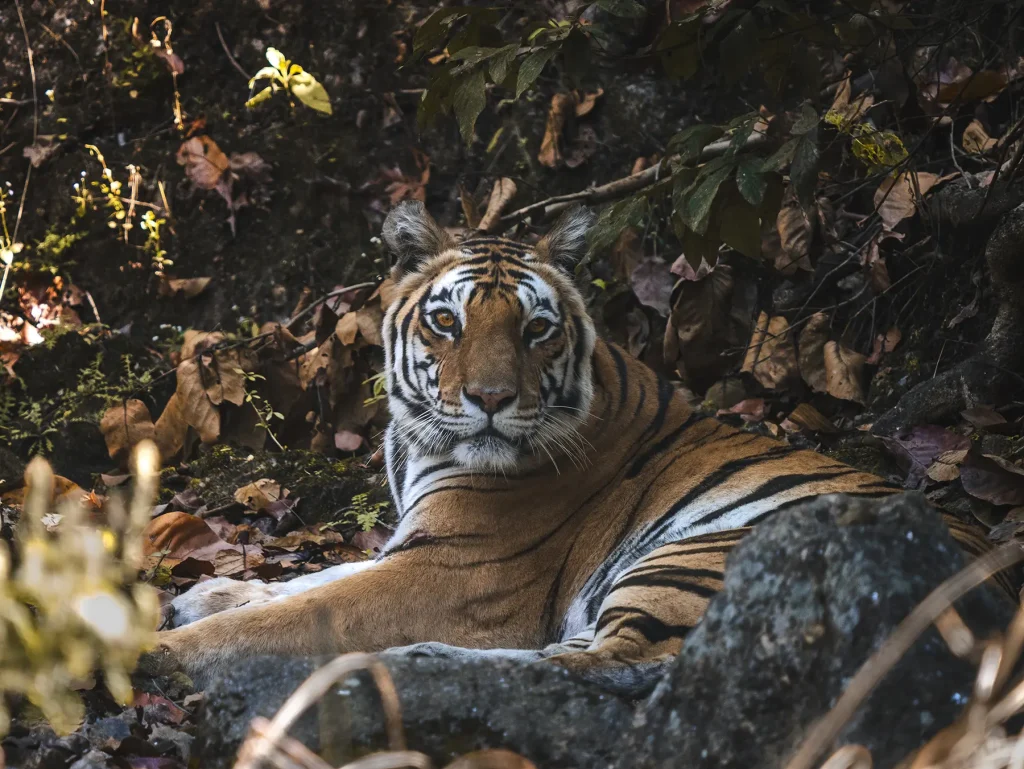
(556, 498)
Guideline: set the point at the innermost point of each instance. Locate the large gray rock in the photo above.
(807, 598)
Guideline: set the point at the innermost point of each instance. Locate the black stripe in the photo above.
(638, 464)
(673, 580)
(620, 367)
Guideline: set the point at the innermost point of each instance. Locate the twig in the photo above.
(882, 661)
(227, 50)
(624, 186)
(952, 156)
(313, 305)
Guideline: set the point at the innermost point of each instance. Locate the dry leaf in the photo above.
(986, 418)
(41, 151)
(895, 199)
(586, 101)
(884, 344)
(502, 192)
(701, 324)
(259, 495)
(491, 759)
(469, 207)
(844, 373)
(749, 410)
(976, 140)
(197, 408)
(562, 105)
(796, 234)
(170, 429)
(204, 162)
(992, 479)
(124, 425)
(188, 287)
(652, 284)
(771, 356)
(946, 466)
(626, 253)
(806, 417)
(812, 352)
(918, 448)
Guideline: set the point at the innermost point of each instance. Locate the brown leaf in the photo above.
(470, 209)
(181, 535)
(992, 479)
(582, 147)
(884, 344)
(796, 234)
(749, 410)
(502, 192)
(976, 140)
(562, 105)
(170, 429)
(652, 284)
(966, 86)
(187, 287)
(771, 356)
(237, 560)
(896, 199)
(204, 162)
(878, 273)
(626, 253)
(946, 466)
(700, 324)
(347, 328)
(917, 449)
(986, 418)
(491, 759)
(124, 425)
(159, 709)
(259, 495)
(42, 150)
(197, 408)
(806, 417)
(372, 540)
(586, 101)
(844, 373)
(812, 352)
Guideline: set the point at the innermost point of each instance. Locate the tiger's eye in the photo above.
(444, 319)
(538, 325)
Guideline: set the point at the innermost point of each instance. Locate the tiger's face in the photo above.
(488, 344)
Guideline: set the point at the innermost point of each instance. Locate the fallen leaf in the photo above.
(41, 150)
(372, 540)
(626, 253)
(749, 410)
(986, 418)
(652, 282)
(125, 425)
(796, 234)
(582, 147)
(771, 356)
(946, 466)
(187, 287)
(170, 429)
(491, 758)
(874, 262)
(204, 162)
(884, 344)
(812, 351)
(586, 101)
(197, 409)
(992, 479)
(976, 140)
(159, 709)
(917, 449)
(896, 199)
(806, 417)
(562, 105)
(259, 495)
(502, 192)
(844, 373)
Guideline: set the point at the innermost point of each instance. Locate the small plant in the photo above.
(8, 248)
(379, 391)
(366, 514)
(264, 411)
(288, 76)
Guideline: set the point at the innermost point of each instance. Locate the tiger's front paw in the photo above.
(217, 595)
(171, 654)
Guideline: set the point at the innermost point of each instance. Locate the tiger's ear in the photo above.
(413, 236)
(566, 243)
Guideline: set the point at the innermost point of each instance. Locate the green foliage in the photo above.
(366, 514)
(265, 413)
(378, 391)
(288, 76)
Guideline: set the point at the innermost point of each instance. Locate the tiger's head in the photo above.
(488, 343)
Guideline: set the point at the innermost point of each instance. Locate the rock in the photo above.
(808, 597)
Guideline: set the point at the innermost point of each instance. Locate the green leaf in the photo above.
(261, 97)
(782, 157)
(804, 172)
(308, 90)
(531, 68)
(468, 101)
(679, 48)
(697, 247)
(277, 60)
(576, 55)
(738, 49)
(806, 121)
(698, 207)
(691, 141)
(432, 31)
(627, 8)
(435, 99)
(265, 73)
(740, 228)
(750, 181)
(612, 221)
(501, 61)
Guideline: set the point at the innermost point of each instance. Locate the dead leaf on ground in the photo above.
(896, 198)
(187, 287)
(749, 410)
(204, 161)
(771, 356)
(992, 479)
(812, 352)
(652, 282)
(946, 466)
(796, 235)
(491, 758)
(844, 373)
(372, 540)
(502, 192)
(259, 495)
(807, 418)
(918, 448)
(42, 150)
(63, 490)
(407, 187)
(883, 345)
(976, 139)
(987, 418)
(125, 425)
(586, 101)
(562, 105)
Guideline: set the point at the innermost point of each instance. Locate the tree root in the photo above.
(994, 374)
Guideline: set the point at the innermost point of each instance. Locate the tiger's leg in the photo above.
(648, 612)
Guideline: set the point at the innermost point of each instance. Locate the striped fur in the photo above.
(557, 499)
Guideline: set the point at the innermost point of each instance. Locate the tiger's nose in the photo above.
(489, 399)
